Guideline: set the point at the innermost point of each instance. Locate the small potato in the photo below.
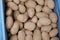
(41, 14)
(38, 8)
(12, 5)
(46, 28)
(53, 32)
(21, 35)
(14, 37)
(16, 1)
(23, 0)
(21, 25)
(9, 22)
(34, 19)
(16, 13)
(9, 12)
(54, 38)
(45, 36)
(22, 17)
(37, 34)
(44, 21)
(39, 24)
(53, 17)
(8, 0)
(22, 8)
(29, 37)
(14, 28)
(54, 25)
(50, 4)
(31, 12)
(40, 2)
(29, 25)
(30, 4)
(28, 32)
(46, 9)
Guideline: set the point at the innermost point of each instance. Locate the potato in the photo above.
(21, 25)
(9, 22)
(39, 24)
(54, 25)
(9, 12)
(45, 36)
(41, 14)
(50, 4)
(22, 8)
(53, 32)
(23, 0)
(53, 17)
(44, 21)
(46, 9)
(46, 28)
(54, 38)
(22, 17)
(40, 2)
(16, 1)
(27, 32)
(37, 34)
(30, 4)
(31, 12)
(14, 37)
(34, 19)
(13, 6)
(29, 37)
(8, 0)
(16, 13)
(29, 25)
(21, 35)
(38, 8)
(14, 28)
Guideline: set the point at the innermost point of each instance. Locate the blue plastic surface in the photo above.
(2, 24)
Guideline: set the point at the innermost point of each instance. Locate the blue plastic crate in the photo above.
(3, 32)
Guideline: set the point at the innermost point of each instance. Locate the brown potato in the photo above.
(12, 5)
(9, 22)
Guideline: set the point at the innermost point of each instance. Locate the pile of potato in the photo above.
(31, 20)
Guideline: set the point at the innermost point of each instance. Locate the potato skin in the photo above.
(9, 22)
(54, 38)
(30, 4)
(14, 37)
(21, 35)
(22, 8)
(53, 17)
(29, 25)
(14, 28)
(37, 34)
(53, 32)
(40, 2)
(38, 8)
(45, 21)
(29, 37)
(13, 6)
(9, 12)
(46, 28)
(22, 17)
(16, 1)
(34, 19)
(31, 12)
(50, 4)
(41, 14)
(46, 9)
(45, 36)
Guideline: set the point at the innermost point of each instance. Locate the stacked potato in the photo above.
(31, 20)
